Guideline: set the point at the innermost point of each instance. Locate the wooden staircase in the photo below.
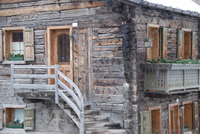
(69, 100)
(95, 121)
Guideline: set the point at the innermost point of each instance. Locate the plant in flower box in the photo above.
(186, 128)
(148, 42)
(16, 57)
(15, 124)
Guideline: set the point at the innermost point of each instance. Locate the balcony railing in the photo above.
(171, 77)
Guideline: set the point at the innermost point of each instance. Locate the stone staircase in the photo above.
(96, 122)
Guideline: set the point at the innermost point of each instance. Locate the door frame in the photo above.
(68, 27)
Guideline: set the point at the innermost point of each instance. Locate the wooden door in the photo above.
(60, 51)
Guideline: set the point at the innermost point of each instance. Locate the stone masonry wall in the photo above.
(172, 21)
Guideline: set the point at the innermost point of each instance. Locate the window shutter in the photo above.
(1, 46)
(180, 44)
(28, 119)
(1, 118)
(193, 44)
(195, 119)
(163, 39)
(145, 122)
(28, 45)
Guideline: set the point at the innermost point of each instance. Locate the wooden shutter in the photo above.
(1, 118)
(195, 119)
(193, 44)
(1, 46)
(163, 42)
(145, 122)
(180, 44)
(28, 45)
(28, 119)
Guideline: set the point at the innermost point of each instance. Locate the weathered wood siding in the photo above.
(100, 44)
(172, 21)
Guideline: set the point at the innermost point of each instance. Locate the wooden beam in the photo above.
(15, 1)
(46, 8)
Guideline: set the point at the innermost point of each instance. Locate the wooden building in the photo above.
(79, 66)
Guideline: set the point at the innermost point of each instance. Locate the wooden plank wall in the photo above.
(101, 67)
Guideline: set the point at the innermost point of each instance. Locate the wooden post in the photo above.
(199, 78)
(184, 79)
(166, 80)
(12, 80)
(81, 129)
(56, 83)
(145, 80)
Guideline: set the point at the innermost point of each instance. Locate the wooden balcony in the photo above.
(166, 77)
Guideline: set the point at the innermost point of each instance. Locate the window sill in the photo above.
(13, 62)
(12, 130)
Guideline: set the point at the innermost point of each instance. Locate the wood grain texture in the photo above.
(52, 7)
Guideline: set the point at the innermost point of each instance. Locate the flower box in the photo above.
(168, 77)
(15, 125)
(16, 58)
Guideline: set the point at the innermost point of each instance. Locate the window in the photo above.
(17, 43)
(13, 114)
(190, 115)
(17, 40)
(151, 121)
(155, 119)
(159, 47)
(173, 118)
(16, 112)
(186, 44)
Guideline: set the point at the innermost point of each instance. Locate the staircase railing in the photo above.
(75, 93)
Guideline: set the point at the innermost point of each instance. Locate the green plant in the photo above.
(182, 61)
(186, 126)
(16, 55)
(148, 39)
(17, 121)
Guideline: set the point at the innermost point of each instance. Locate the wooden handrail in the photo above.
(78, 98)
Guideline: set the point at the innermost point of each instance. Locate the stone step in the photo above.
(94, 124)
(91, 112)
(96, 118)
(107, 131)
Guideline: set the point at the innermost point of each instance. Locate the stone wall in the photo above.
(172, 21)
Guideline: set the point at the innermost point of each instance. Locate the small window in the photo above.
(190, 115)
(63, 48)
(17, 117)
(155, 119)
(186, 42)
(14, 118)
(173, 118)
(17, 43)
(159, 44)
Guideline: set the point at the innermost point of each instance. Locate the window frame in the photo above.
(183, 119)
(12, 106)
(147, 34)
(169, 120)
(152, 109)
(5, 29)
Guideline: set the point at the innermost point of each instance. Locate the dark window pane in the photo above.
(63, 48)
(17, 37)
